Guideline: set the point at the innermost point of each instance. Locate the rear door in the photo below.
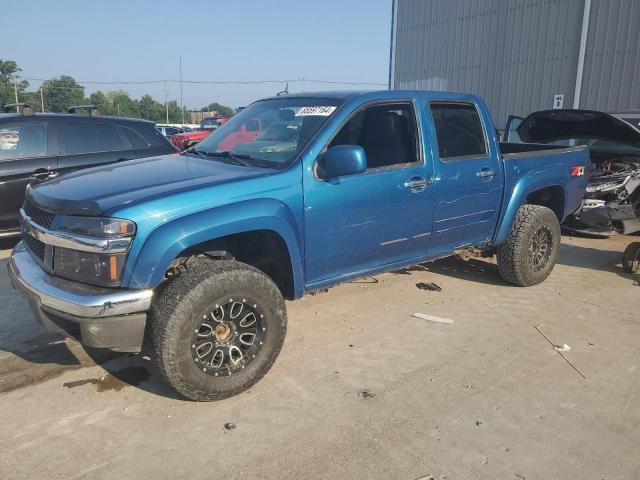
(24, 152)
(90, 143)
(469, 177)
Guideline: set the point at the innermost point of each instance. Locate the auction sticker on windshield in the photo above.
(322, 111)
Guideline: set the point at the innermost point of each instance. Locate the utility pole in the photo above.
(166, 99)
(41, 99)
(15, 89)
(181, 105)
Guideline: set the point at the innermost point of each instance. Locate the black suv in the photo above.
(36, 147)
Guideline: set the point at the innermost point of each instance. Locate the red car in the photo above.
(188, 139)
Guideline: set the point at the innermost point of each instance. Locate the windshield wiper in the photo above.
(235, 158)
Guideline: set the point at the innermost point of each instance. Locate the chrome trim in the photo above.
(397, 240)
(73, 242)
(71, 297)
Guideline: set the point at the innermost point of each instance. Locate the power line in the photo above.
(219, 82)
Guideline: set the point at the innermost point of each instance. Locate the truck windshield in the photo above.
(269, 133)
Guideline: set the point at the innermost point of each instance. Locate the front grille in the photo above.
(35, 245)
(39, 216)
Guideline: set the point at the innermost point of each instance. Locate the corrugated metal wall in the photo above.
(518, 54)
(611, 79)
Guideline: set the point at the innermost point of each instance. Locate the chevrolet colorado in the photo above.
(196, 252)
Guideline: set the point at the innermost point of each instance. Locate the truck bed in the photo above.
(510, 150)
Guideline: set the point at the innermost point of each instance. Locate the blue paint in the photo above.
(334, 229)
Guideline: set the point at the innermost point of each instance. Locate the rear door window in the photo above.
(136, 141)
(23, 140)
(458, 130)
(88, 137)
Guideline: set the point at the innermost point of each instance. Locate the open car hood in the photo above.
(551, 125)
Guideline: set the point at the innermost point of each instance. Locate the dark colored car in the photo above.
(36, 147)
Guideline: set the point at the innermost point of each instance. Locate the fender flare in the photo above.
(523, 188)
(167, 241)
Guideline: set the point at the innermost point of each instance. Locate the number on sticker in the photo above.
(322, 111)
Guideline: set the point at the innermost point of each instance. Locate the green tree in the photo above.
(62, 93)
(174, 113)
(101, 102)
(151, 109)
(122, 105)
(9, 72)
(219, 109)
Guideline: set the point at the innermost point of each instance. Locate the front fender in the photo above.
(169, 239)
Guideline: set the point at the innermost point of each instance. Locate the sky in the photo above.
(219, 40)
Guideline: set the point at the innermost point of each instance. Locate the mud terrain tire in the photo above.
(186, 317)
(530, 252)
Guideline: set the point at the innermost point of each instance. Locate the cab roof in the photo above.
(74, 116)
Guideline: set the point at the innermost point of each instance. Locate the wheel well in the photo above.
(265, 250)
(550, 197)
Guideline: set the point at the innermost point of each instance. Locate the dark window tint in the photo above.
(170, 131)
(458, 129)
(136, 141)
(387, 133)
(23, 140)
(90, 137)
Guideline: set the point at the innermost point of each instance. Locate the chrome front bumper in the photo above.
(97, 317)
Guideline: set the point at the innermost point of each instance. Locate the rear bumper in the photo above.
(97, 317)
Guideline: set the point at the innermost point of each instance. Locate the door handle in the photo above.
(485, 173)
(417, 184)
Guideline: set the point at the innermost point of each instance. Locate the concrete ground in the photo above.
(362, 389)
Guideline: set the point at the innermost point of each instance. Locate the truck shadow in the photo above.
(126, 370)
(593, 259)
(474, 270)
(29, 354)
(484, 271)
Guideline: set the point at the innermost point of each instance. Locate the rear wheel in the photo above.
(217, 329)
(530, 252)
(631, 258)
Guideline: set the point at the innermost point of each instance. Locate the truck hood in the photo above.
(552, 125)
(96, 190)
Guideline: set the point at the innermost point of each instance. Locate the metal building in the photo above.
(520, 55)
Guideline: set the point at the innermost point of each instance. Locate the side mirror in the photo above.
(342, 160)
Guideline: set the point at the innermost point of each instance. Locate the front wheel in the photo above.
(217, 329)
(530, 252)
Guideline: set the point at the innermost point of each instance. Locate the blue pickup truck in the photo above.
(194, 253)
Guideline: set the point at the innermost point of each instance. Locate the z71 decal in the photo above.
(577, 171)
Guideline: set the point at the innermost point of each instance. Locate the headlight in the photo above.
(98, 227)
(94, 249)
(97, 268)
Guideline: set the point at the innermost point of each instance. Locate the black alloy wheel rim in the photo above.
(229, 337)
(540, 249)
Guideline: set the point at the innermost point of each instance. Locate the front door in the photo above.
(359, 222)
